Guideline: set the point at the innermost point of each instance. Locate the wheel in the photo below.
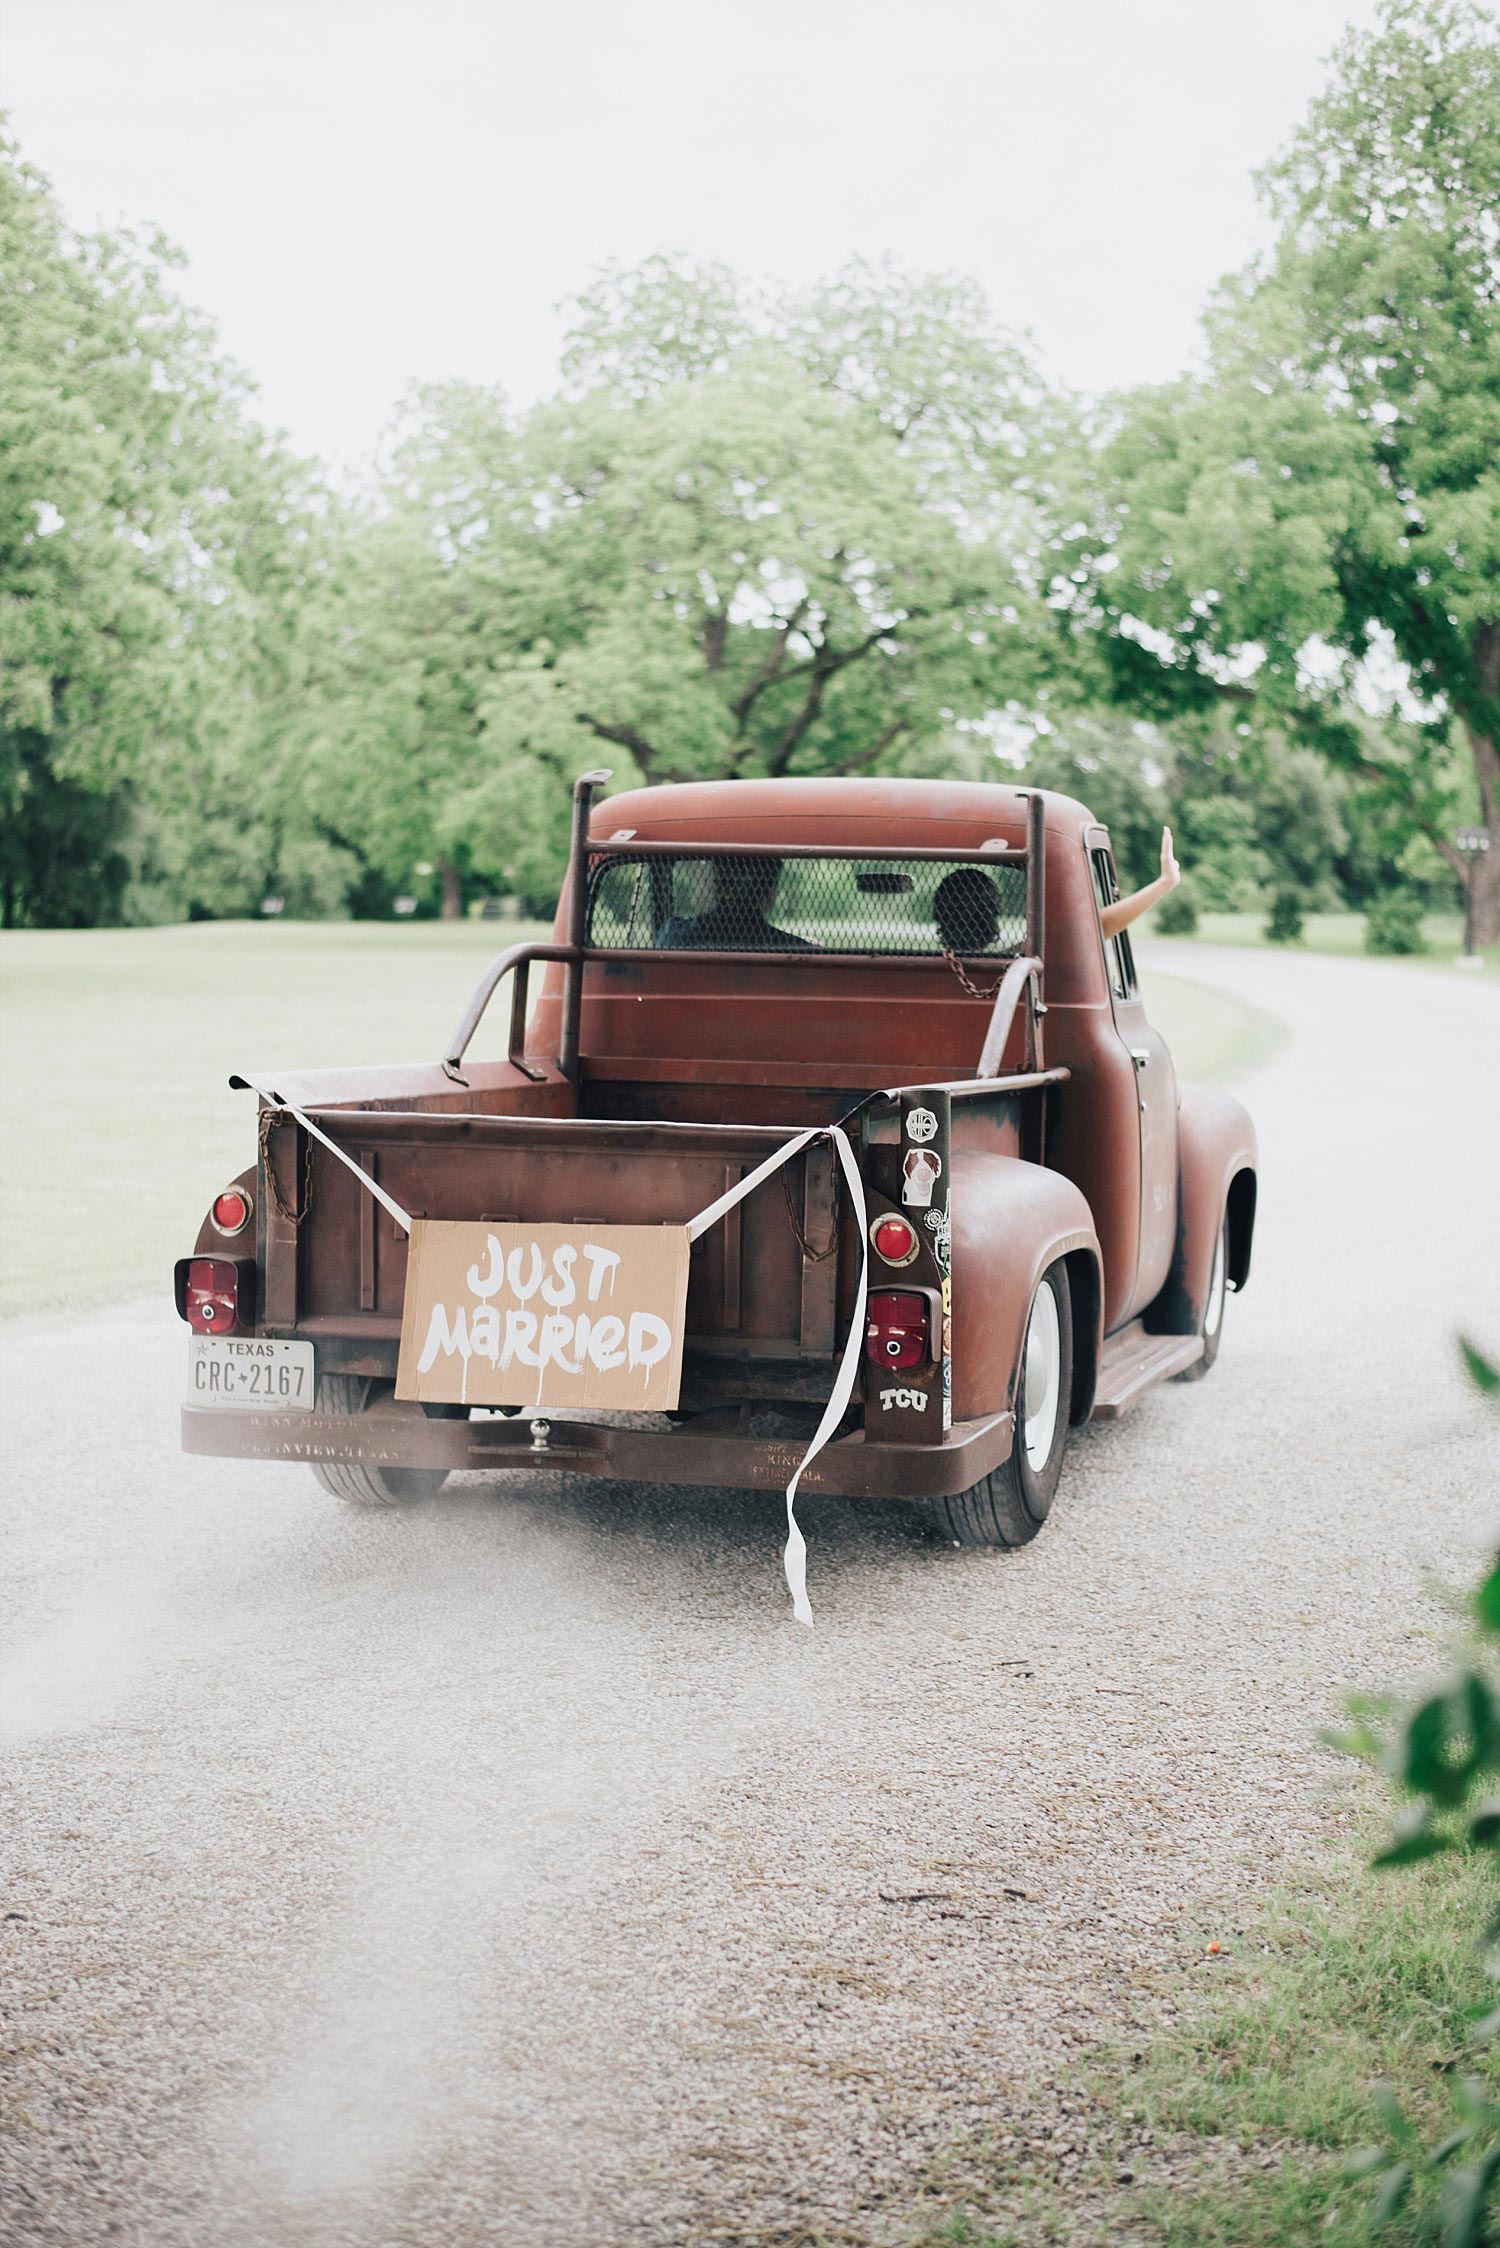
(351, 1480)
(1213, 1309)
(1010, 1505)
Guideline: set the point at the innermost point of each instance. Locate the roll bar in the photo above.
(578, 916)
(1020, 976)
(1023, 977)
(516, 959)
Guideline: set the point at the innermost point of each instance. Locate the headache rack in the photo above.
(637, 900)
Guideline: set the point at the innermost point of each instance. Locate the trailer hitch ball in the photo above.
(541, 1434)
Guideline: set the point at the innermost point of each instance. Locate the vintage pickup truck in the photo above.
(862, 1053)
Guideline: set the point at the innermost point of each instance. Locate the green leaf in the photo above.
(1366, 2162)
(1479, 1708)
(1483, 1372)
(1472, 2102)
(1415, 1840)
(1466, 2201)
(1394, 2188)
(1360, 1741)
(1392, 2115)
(1487, 1600)
(1446, 1740)
(1486, 2027)
(1422, 1745)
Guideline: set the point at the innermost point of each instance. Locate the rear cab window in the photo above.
(764, 902)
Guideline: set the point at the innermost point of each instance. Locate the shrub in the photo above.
(1284, 923)
(1393, 923)
(1177, 915)
(1443, 1756)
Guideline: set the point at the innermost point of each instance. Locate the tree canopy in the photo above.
(841, 529)
(746, 539)
(150, 564)
(1320, 508)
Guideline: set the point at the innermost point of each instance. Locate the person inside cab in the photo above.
(739, 918)
(966, 908)
(966, 904)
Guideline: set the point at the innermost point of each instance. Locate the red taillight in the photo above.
(896, 1330)
(211, 1298)
(892, 1238)
(231, 1210)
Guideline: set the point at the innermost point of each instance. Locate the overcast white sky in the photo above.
(374, 190)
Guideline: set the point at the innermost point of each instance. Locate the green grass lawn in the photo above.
(1333, 932)
(117, 1126)
(1233, 2129)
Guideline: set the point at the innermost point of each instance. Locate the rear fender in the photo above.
(1011, 1220)
(1216, 1158)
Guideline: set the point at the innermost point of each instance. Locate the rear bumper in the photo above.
(399, 1436)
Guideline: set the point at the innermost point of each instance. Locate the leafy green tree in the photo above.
(750, 537)
(743, 575)
(148, 566)
(1328, 493)
(417, 615)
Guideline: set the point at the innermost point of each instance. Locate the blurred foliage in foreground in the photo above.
(1443, 1755)
(846, 530)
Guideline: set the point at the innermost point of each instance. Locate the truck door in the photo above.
(1156, 1099)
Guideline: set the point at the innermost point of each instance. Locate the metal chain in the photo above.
(289, 1215)
(973, 989)
(812, 1255)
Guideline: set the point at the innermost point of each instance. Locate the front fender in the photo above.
(1011, 1220)
(1216, 1172)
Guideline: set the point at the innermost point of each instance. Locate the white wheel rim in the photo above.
(1213, 1313)
(1043, 1379)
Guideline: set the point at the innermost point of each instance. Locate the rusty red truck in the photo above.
(981, 1209)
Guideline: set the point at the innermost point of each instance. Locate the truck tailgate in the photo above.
(333, 1261)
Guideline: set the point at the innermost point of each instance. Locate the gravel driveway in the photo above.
(514, 1871)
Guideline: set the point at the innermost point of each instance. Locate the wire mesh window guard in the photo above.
(727, 904)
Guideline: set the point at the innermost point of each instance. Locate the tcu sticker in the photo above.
(911, 1400)
(921, 1125)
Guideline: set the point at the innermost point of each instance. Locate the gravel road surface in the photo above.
(515, 1871)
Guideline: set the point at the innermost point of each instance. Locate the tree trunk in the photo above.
(453, 890)
(1484, 872)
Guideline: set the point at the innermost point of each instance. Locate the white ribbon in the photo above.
(333, 1148)
(794, 1556)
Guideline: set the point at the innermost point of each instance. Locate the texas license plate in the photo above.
(250, 1370)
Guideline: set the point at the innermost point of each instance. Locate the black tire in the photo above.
(358, 1485)
(1212, 1329)
(1011, 1504)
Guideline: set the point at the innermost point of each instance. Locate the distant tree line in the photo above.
(847, 530)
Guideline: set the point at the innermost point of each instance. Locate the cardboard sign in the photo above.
(544, 1315)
